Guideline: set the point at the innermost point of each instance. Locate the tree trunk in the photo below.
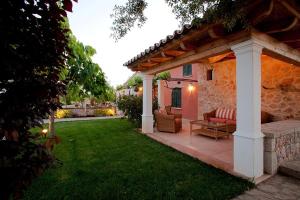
(84, 107)
(51, 125)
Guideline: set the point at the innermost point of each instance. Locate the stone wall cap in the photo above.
(279, 128)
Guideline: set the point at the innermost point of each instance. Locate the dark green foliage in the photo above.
(187, 10)
(34, 50)
(230, 13)
(120, 87)
(135, 81)
(132, 106)
(108, 95)
(20, 163)
(162, 76)
(108, 160)
(125, 17)
(85, 78)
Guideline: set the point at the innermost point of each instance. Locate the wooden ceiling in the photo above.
(277, 18)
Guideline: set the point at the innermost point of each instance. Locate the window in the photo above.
(187, 70)
(209, 74)
(176, 97)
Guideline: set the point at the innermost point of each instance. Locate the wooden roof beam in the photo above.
(288, 36)
(294, 44)
(263, 14)
(283, 26)
(187, 46)
(148, 64)
(279, 49)
(163, 54)
(200, 53)
(290, 8)
(173, 52)
(161, 59)
(216, 31)
(218, 58)
(174, 44)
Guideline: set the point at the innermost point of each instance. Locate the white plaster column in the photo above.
(160, 94)
(147, 117)
(248, 138)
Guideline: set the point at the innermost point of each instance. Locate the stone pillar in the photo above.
(147, 117)
(248, 138)
(160, 94)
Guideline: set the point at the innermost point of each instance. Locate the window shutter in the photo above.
(176, 97)
(179, 98)
(187, 70)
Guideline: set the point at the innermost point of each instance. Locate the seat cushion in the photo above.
(163, 111)
(230, 121)
(219, 120)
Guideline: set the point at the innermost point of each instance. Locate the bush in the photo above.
(34, 46)
(104, 112)
(20, 163)
(132, 107)
(63, 113)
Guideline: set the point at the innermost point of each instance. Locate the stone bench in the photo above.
(281, 143)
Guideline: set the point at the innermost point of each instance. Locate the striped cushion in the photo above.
(225, 113)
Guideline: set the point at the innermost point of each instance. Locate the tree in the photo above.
(85, 78)
(109, 95)
(120, 87)
(162, 76)
(135, 81)
(125, 17)
(34, 51)
(230, 13)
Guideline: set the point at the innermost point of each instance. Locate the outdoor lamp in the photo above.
(44, 132)
(190, 87)
(140, 89)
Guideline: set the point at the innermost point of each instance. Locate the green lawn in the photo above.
(107, 159)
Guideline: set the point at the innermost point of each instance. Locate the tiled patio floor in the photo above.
(218, 153)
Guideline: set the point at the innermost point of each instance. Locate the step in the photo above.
(291, 168)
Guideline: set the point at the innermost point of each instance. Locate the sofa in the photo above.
(228, 116)
(167, 122)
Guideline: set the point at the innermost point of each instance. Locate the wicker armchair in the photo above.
(167, 123)
(169, 112)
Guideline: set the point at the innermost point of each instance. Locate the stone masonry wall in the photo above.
(281, 143)
(280, 88)
(219, 92)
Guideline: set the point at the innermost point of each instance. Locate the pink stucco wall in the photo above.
(189, 100)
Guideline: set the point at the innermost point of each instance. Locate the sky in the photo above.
(90, 22)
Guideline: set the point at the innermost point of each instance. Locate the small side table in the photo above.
(210, 129)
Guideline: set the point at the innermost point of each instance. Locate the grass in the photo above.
(107, 159)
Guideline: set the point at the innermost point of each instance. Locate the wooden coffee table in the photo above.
(210, 129)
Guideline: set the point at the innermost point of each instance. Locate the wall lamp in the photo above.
(191, 87)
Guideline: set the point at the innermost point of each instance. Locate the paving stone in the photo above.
(276, 188)
(291, 168)
(257, 194)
